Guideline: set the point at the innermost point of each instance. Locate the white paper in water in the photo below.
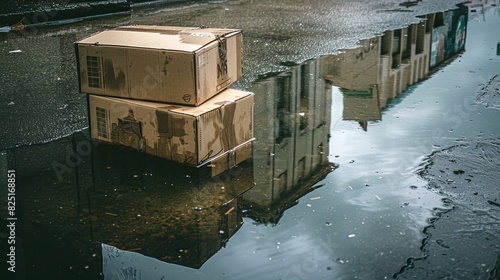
(125, 265)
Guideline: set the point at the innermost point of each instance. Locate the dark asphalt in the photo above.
(40, 102)
(464, 239)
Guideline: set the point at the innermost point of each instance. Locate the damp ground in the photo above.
(413, 195)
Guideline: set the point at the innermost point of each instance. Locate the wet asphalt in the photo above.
(40, 102)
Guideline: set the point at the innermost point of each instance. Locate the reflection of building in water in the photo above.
(362, 106)
(383, 67)
(164, 210)
(356, 73)
(292, 123)
(355, 69)
(404, 59)
(448, 34)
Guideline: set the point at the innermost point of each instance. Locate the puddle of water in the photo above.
(284, 214)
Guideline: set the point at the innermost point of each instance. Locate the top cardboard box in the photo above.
(182, 65)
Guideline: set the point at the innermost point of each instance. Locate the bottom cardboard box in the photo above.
(230, 158)
(192, 136)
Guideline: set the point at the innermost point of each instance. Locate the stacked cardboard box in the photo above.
(163, 90)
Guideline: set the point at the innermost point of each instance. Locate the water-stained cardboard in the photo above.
(182, 65)
(218, 131)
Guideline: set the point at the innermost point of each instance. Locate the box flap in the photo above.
(230, 158)
(188, 39)
(209, 32)
(224, 98)
(156, 28)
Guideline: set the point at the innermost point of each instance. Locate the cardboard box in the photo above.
(220, 130)
(182, 65)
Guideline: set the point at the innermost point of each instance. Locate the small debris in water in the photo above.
(315, 198)
(328, 224)
(351, 235)
(11, 103)
(16, 51)
(494, 203)
(378, 197)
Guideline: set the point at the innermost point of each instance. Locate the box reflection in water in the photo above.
(162, 209)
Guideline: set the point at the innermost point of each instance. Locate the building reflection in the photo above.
(292, 124)
(383, 67)
(293, 108)
(356, 73)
